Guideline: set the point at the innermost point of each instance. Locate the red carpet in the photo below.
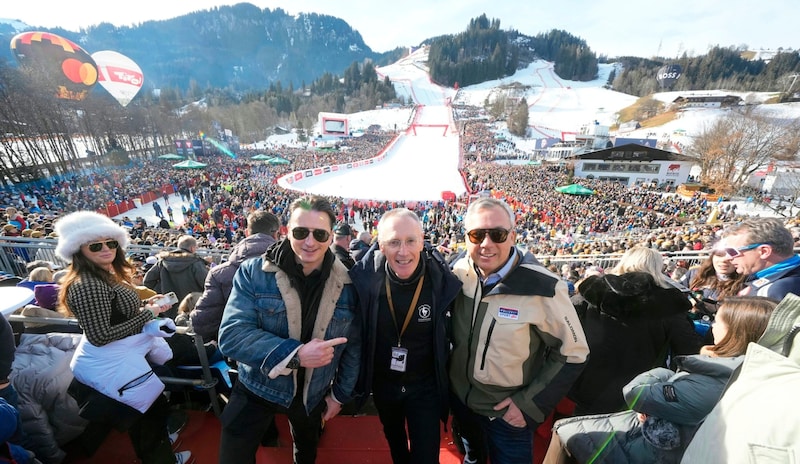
(346, 440)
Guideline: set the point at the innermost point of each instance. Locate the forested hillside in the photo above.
(721, 68)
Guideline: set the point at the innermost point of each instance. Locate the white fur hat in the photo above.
(81, 227)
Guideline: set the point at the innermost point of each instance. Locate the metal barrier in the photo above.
(16, 252)
(607, 261)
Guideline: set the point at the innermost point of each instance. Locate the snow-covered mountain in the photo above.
(556, 106)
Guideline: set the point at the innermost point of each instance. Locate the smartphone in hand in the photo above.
(168, 299)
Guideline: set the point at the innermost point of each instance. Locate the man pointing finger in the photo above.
(292, 325)
(316, 353)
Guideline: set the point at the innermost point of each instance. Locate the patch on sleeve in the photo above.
(508, 313)
(670, 394)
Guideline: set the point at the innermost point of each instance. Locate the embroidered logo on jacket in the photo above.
(508, 313)
(424, 312)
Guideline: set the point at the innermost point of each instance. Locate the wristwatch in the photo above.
(294, 363)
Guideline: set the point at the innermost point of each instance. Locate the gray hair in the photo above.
(489, 203)
(771, 231)
(398, 213)
(187, 242)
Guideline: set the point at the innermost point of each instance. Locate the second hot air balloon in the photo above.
(119, 75)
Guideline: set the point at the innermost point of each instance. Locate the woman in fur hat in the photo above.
(98, 291)
(633, 318)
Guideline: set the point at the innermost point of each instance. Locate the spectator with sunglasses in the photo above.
(292, 324)
(114, 384)
(763, 250)
(518, 344)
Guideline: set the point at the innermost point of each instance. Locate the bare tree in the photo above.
(731, 148)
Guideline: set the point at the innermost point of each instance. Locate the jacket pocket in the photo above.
(340, 322)
(272, 315)
(502, 349)
(762, 453)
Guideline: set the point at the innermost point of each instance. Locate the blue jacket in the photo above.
(775, 286)
(368, 277)
(261, 327)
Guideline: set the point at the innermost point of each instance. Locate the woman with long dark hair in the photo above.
(715, 278)
(114, 384)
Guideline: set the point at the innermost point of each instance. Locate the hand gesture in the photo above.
(318, 353)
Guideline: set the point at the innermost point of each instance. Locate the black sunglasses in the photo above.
(97, 246)
(320, 235)
(497, 235)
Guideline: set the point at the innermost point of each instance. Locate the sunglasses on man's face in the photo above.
(497, 235)
(97, 246)
(320, 235)
(737, 252)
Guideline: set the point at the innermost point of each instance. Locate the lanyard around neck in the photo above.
(410, 307)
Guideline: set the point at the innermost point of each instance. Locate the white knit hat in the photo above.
(81, 227)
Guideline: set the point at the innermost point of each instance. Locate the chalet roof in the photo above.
(620, 141)
(634, 152)
(708, 98)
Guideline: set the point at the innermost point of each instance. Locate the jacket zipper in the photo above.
(486, 345)
(135, 382)
(469, 343)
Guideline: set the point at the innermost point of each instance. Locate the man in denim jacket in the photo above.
(292, 325)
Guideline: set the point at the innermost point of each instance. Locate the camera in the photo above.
(704, 307)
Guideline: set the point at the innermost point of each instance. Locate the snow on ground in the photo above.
(423, 162)
(555, 105)
(422, 166)
(418, 167)
(147, 212)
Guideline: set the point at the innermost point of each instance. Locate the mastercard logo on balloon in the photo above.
(65, 68)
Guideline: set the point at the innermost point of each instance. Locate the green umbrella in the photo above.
(170, 156)
(189, 164)
(575, 189)
(261, 157)
(278, 160)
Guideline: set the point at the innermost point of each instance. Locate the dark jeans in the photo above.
(501, 442)
(148, 431)
(247, 416)
(417, 407)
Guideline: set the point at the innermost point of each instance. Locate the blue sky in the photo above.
(610, 27)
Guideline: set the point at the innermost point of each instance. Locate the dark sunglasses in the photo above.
(97, 246)
(320, 235)
(497, 235)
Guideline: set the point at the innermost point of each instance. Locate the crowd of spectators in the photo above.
(221, 195)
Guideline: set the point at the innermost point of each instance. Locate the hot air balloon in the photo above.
(668, 74)
(69, 72)
(119, 75)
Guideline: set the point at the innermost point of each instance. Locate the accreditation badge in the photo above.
(399, 358)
